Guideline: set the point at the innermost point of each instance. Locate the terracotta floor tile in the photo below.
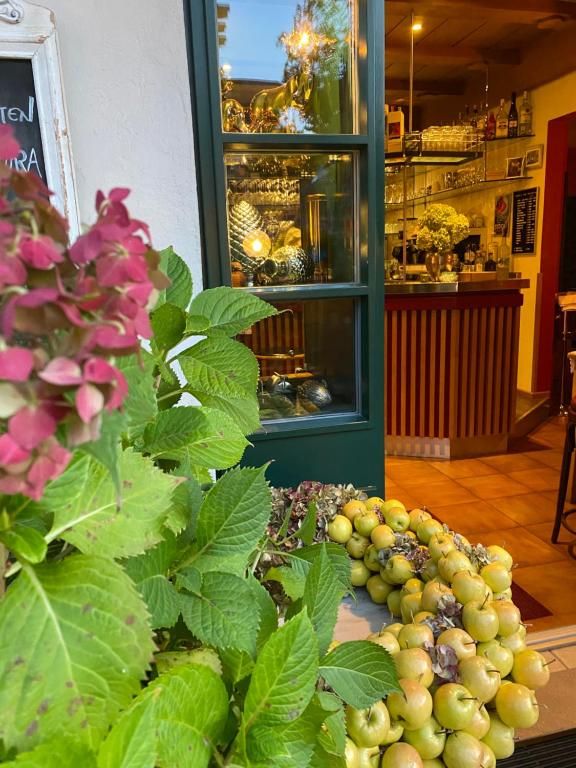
(414, 472)
(493, 486)
(544, 532)
(527, 509)
(526, 549)
(434, 495)
(463, 468)
(511, 462)
(473, 517)
(540, 479)
(552, 584)
(552, 457)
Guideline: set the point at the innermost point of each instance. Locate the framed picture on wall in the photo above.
(534, 157)
(514, 167)
(502, 211)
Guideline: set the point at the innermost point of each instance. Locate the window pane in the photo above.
(307, 359)
(287, 66)
(290, 218)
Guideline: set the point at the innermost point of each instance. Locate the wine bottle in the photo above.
(491, 127)
(502, 122)
(525, 127)
(513, 118)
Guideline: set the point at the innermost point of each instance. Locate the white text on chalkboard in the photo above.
(17, 115)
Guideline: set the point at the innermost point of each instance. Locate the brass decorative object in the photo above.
(433, 265)
(243, 218)
(316, 392)
(285, 266)
(269, 105)
(256, 244)
(233, 117)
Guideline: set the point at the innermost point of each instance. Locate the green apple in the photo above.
(378, 589)
(359, 574)
(357, 545)
(431, 595)
(500, 657)
(369, 757)
(414, 664)
(398, 519)
(415, 635)
(395, 733)
(418, 516)
(401, 755)
(480, 620)
(371, 559)
(497, 576)
(488, 757)
(500, 738)
(393, 602)
(386, 640)
(530, 669)
(508, 617)
(428, 741)
(393, 628)
(480, 724)
(479, 676)
(516, 706)
(454, 706)
(505, 595)
(353, 508)
(440, 544)
(383, 537)
(463, 751)
(339, 529)
(422, 616)
(392, 504)
(368, 727)
(500, 555)
(436, 763)
(459, 640)
(351, 756)
(452, 563)
(427, 529)
(410, 606)
(374, 504)
(429, 570)
(366, 522)
(412, 707)
(469, 586)
(517, 641)
(412, 586)
(398, 569)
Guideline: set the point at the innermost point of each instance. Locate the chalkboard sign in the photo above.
(524, 221)
(19, 109)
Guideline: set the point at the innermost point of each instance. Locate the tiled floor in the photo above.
(508, 500)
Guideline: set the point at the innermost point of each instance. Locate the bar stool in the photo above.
(569, 446)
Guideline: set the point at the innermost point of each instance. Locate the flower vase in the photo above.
(433, 265)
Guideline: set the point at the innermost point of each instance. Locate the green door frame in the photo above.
(347, 448)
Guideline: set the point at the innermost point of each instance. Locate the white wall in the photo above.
(126, 88)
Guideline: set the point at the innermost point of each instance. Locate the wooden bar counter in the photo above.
(451, 366)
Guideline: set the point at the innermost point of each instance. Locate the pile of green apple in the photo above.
(467, 678)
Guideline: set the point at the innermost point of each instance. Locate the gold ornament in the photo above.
(256, 244)
(243, 218)
(233, 117)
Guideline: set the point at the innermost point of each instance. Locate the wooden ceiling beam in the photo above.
(426, 87)
(507, 11)
(443, 54)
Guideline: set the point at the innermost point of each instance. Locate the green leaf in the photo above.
(232, 520)
(237, 665)
(140, 404)
(230, 311)
(323, 593)
(202, 436)
(322, 758)
(168, 324)
(79, 630)
(223, 374)
(206, 657)
(187, 499)
(292, 580)
(307, 530)
(303, 558)
(223, 612)
(268, 610)
(333, 738)
(56, 754)
(148, 572)
(360, 672)
(180, 716)
(284, 677)
(197, 324)
(25, 543)
(86, 513)
(179, 292)
(106, 449)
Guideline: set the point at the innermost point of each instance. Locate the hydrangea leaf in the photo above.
(55, 754)
(230, 311)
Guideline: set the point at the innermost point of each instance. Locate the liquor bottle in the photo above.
(466, 115)
(513, 118)
(491, 257)
(504, 264)
(525, 127)
(474, 118)
(501, 122)
(480, 261)
(491, 127)
(395, 130)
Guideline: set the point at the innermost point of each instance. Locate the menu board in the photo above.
(524, 221)
(19, 110)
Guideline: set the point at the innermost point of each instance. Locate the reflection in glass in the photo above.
(290, 218)
(307, 359)
(287, 66)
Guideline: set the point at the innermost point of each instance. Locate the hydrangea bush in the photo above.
(440, 228)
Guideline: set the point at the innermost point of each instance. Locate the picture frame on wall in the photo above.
(515, 167)
(502, 213)
(534, 157)
(32, 101)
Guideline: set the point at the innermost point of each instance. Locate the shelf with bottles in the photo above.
(445, 194)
